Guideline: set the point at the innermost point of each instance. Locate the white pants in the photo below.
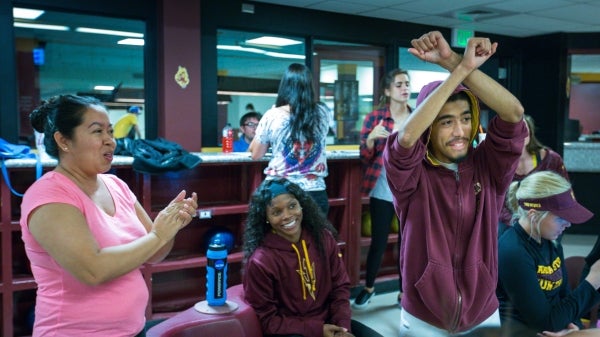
(410, 326)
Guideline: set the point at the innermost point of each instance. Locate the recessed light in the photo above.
(104, 87)
(40, 26)
(26, 13)
(133, 42)
(108, 32)
(273, 41)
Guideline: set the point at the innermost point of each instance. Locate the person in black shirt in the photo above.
(533, 287)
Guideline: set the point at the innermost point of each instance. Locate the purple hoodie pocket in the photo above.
(437, 288)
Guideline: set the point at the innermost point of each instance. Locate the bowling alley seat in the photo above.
(575, 265)
(241, 322)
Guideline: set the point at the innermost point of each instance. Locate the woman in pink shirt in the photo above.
(85, 233)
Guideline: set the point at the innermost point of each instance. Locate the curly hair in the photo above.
(257, 227)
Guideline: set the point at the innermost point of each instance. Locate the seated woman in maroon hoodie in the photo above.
(294, 276)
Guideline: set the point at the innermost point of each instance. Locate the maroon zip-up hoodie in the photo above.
(449, 223)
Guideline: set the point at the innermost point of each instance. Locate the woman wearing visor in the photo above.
(533, 288)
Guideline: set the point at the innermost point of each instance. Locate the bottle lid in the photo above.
(217, 245)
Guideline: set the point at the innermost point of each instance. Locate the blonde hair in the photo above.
(537, 185)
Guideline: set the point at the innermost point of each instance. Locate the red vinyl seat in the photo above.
(575, 266)
(240, 323)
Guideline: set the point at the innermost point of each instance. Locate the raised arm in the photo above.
(432, 47)
(477, 52)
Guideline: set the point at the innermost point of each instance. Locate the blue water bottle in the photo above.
(216, 274)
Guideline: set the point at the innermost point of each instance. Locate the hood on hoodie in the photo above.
(427, 90)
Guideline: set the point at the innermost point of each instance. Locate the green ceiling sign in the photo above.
(460, 37)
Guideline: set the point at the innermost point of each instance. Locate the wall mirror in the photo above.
(68, 53)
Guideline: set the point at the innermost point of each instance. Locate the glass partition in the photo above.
(420, 73)
(348, 76)
(583, 95)
(250, 66)
(67, 53)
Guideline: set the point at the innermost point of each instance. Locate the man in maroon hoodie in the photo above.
(448, 194)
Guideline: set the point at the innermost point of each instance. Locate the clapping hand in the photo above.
(570, 328)
(332, 330)
(175, 216)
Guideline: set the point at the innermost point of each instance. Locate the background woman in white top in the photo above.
(296, 129)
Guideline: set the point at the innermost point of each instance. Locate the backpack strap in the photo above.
(38, 174)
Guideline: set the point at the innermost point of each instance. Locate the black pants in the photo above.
(320, 197)
(382, 213)
(148, 325)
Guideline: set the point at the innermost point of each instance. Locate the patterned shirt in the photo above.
(372, 159)
(302, 162)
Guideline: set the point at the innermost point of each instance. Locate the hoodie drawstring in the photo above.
(307, 276)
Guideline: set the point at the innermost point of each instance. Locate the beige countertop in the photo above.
(207, 157)
(582, 156)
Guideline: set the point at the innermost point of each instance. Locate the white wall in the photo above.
(237, 107)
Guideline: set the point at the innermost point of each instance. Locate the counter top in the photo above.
(582, 156)
(207, 157)
(582, 145)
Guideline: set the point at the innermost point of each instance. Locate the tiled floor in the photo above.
(383, 314)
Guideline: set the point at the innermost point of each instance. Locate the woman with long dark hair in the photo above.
(296, 130)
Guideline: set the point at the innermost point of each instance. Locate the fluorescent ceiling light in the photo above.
(260, 51)
(25, 13)
(108, 32)
(104, 87)
(133, 42)
(273, 41)
(130, 100)
(245, 93)
(285, 56)
(40, 26)
(240, 48)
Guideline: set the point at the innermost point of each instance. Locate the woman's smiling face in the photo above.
(284, 213)
(92, 147)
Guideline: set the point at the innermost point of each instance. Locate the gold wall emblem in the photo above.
(181, 77)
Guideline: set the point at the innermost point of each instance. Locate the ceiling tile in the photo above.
(342, 7)
(521, 6)
(576, 13)
(531, 17)
(525, 21)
